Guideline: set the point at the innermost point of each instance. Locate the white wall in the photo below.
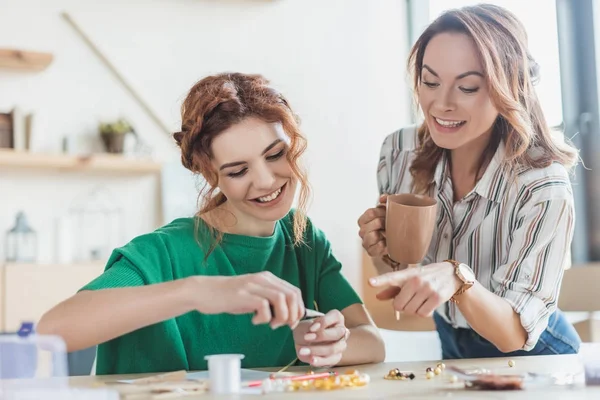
(340, 62)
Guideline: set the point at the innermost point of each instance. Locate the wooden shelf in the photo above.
(95, 163)
(24, 60)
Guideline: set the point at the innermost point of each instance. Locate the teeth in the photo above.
(450, 124)
(270, 197)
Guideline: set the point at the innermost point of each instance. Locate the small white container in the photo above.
(32, 364)
(224, 373)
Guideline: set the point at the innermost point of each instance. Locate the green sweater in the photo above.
(172, 252)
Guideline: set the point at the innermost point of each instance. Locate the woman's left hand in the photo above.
(320, 342)
(418, 290)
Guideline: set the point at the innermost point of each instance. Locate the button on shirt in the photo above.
(514, 229)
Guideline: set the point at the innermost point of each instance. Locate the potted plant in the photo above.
(113, 134)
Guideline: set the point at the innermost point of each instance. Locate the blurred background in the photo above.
(90, 93)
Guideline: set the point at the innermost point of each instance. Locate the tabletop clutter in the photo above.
(225, 376)
(22, 354)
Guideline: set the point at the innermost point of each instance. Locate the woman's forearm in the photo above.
(364, 346)
(493, 318)
(93, 317)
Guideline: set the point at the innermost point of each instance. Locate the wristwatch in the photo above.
(466, 276)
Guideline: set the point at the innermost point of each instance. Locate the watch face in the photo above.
(466, 272)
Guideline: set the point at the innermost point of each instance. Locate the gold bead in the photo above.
(365, 378)
(437, 370)
(429, 374)
(335, 382)
(441, 366)
(305, 385)
(362, 380)
(511, 363)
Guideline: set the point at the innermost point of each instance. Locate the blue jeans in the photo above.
(559, 338)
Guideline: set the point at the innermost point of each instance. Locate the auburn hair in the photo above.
(220, 101)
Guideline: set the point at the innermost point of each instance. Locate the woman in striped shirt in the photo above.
(492, 274)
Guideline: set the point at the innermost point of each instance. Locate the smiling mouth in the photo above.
(270, 197)
(449, 123)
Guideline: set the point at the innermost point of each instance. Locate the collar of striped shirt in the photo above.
(492, 184)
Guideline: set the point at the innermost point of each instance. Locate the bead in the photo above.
(429, 374)
(363, 380)
(453, 379)
(350, 379)
(428, 369)
(396, 374)
(441, 366)
(511, 363)
(437, 370)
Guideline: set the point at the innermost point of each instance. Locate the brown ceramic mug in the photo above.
(409, 223)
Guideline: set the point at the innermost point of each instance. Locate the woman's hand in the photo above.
(418, 290)
(321, 341)
(251, 293)
(372, 229)
(372, 232)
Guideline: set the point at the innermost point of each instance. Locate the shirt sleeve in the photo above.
(393, 160)
(120, 274)
(540, 251)
(334, 292)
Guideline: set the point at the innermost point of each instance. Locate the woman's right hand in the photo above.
(257, 293)
(372, 229)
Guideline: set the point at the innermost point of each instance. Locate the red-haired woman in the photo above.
(237, 277)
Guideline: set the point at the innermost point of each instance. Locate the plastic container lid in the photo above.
(224, 373)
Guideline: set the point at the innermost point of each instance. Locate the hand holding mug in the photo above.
(372, 229)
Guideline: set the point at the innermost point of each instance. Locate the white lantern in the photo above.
(21, 241)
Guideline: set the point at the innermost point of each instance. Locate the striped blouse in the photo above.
(514, 233)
